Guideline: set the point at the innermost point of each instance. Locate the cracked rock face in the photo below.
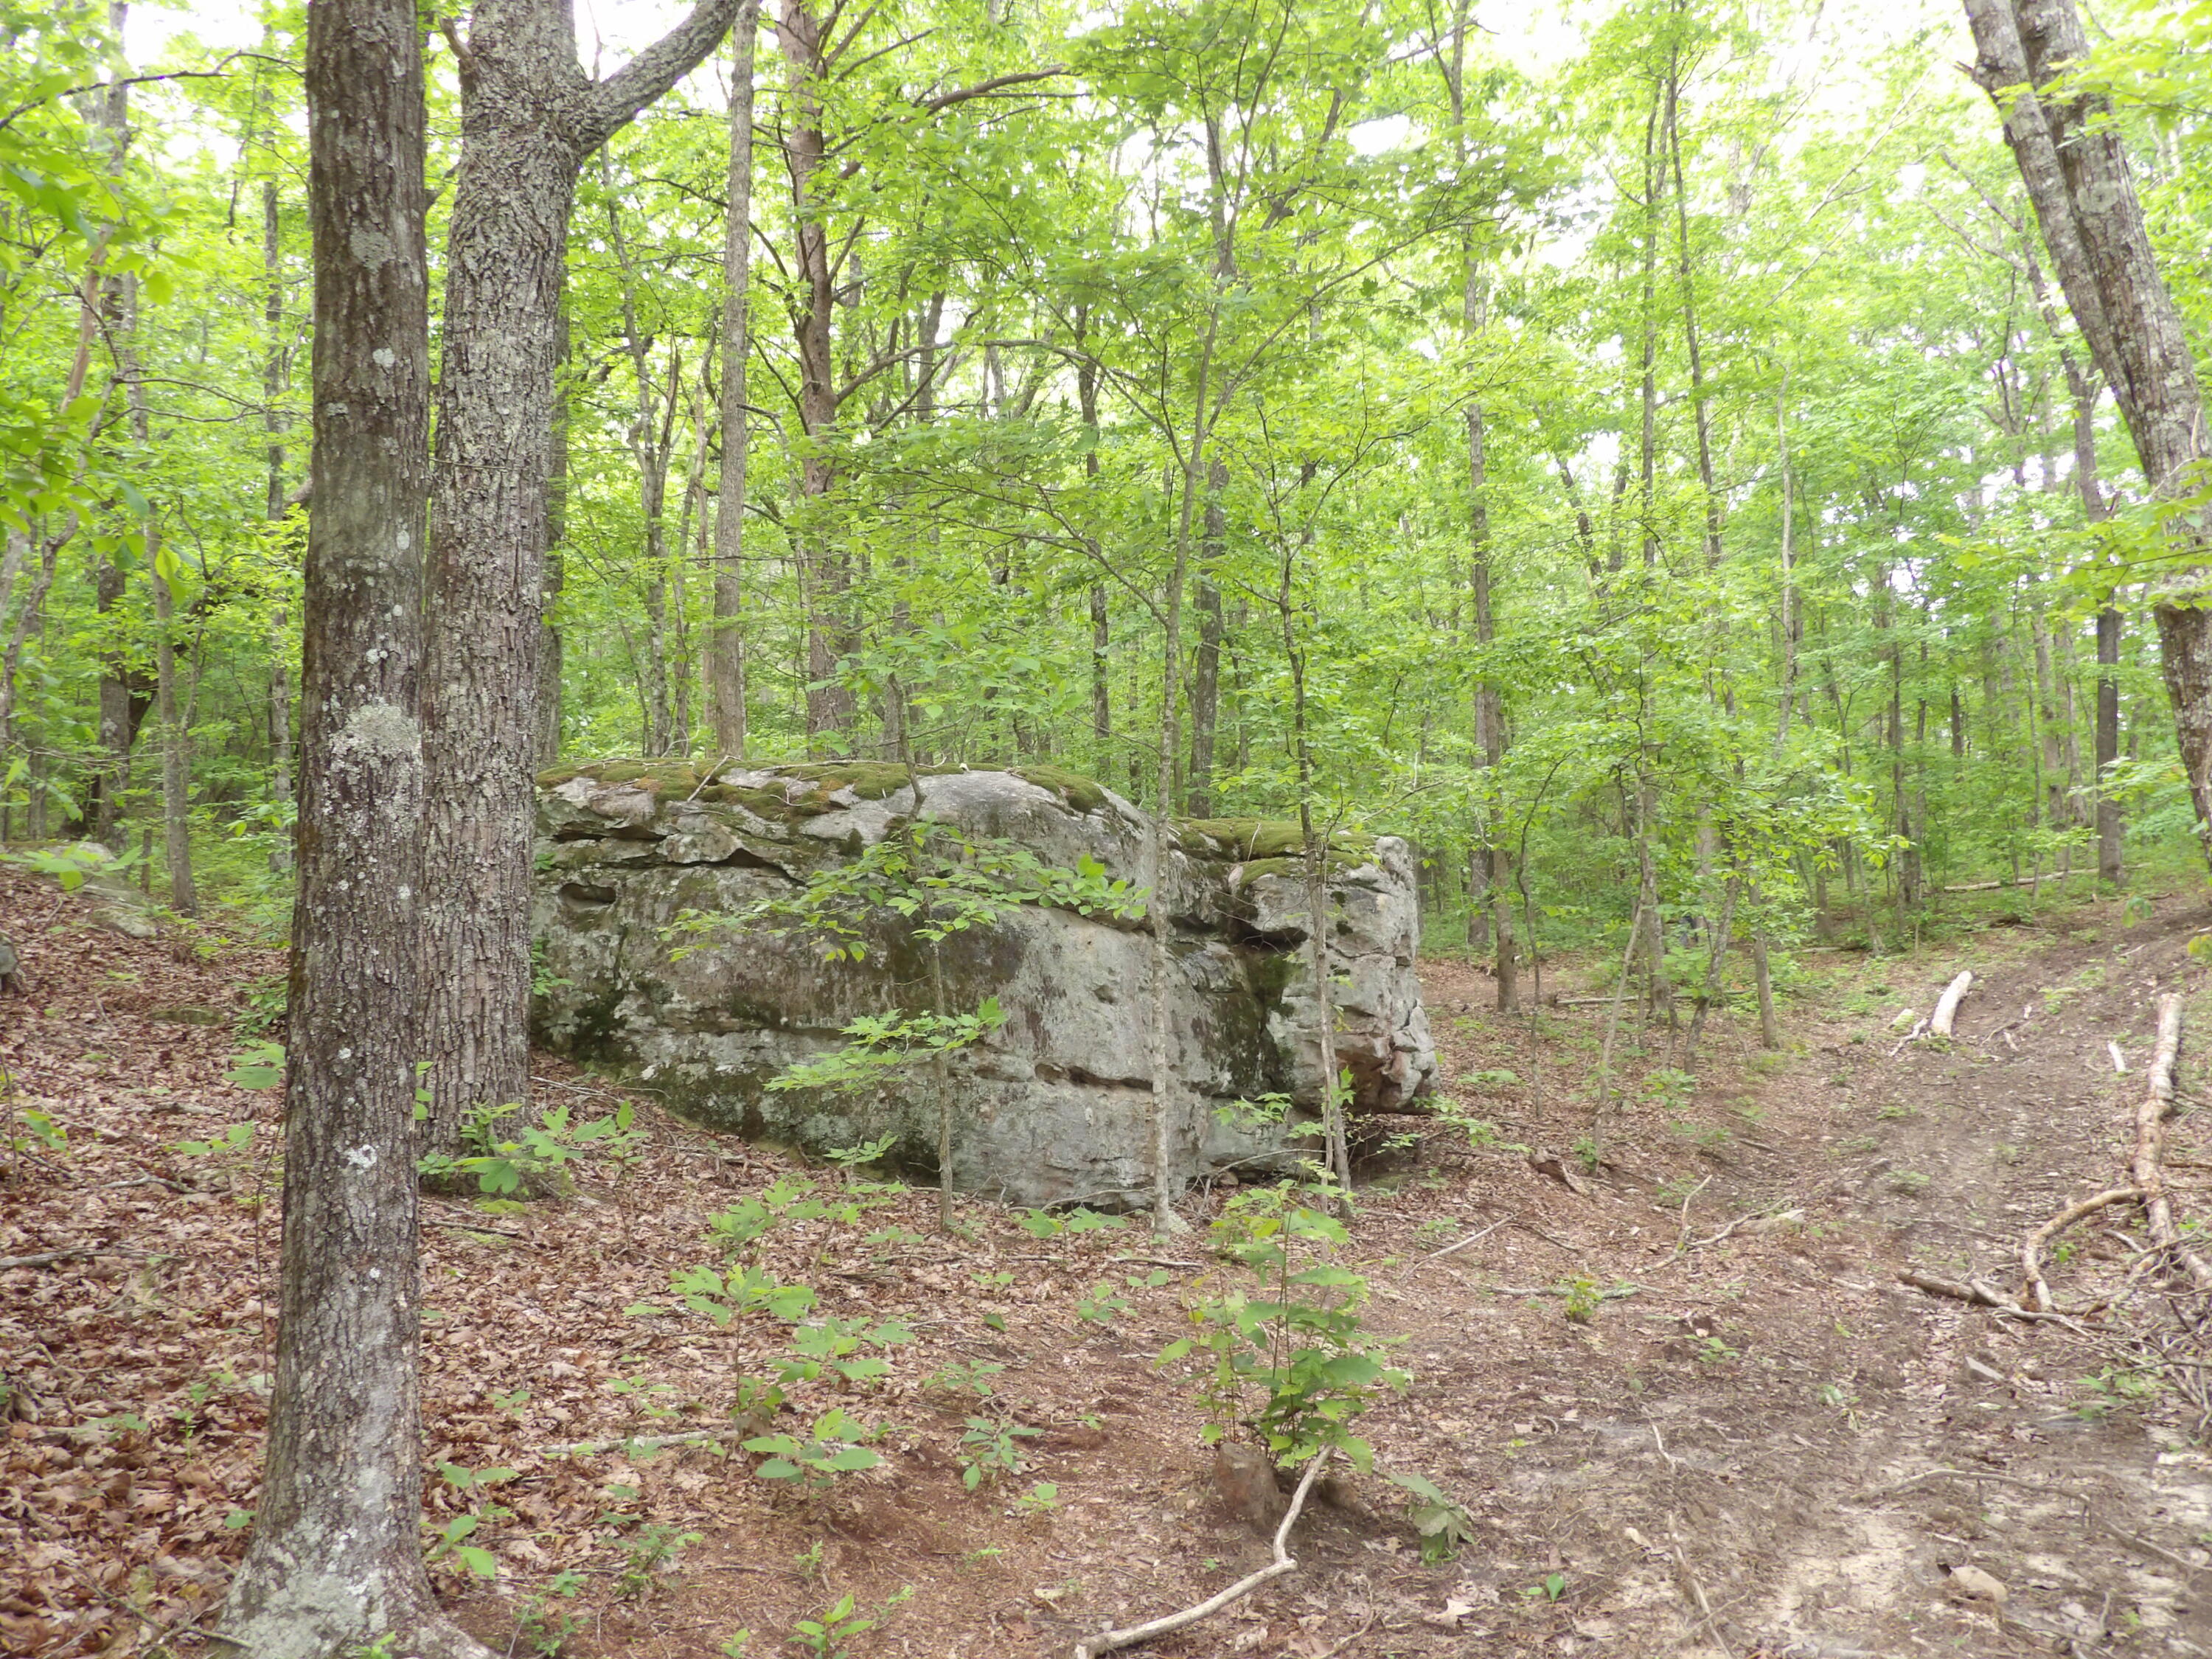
(1055, 1107)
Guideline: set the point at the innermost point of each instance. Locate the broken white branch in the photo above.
(646, 1445)
(2033, 1293)
(1108, 1641)
(1947, 1006)
(2147, 1168)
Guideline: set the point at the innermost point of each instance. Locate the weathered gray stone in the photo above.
(1054, 1108)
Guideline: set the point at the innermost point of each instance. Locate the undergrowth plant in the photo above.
(831, 1448)
(828, 1634)
(509, 1153)
(1287, 1360)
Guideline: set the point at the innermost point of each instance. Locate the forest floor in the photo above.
(1753, 1441)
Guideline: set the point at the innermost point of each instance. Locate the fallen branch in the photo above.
(2150, 1143)
(1946, 1005)
(1792, 1213)
(2033, 1293)
(1108, 1641)
(1909, 1039)
(1980, 1294)
(1474, 1237)
(53, 1258)
(479, 1227)
(632, 1444)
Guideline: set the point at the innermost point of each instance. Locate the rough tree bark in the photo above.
(2074, 166)
(725, 639)
(550, 648)
(530, 118)
(335, 1566)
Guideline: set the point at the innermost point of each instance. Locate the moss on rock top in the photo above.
(1245, 840)
(1084, 794)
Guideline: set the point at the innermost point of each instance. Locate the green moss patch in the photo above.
(654, 777)
(1264, 840)
(1084, 794)
(867, 780)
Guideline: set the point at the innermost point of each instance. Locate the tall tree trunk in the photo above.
(1206, 659)
(651, 434)
(2072, 159)
(1700, 400)
(1101, 637)
(335, 1565)
(530, 118)
(1647, 452)
(273, 424)
(824, 576)
(118, 692)
(2111, 830)
(176, 755)
(1495, 862)
(725, 640)
(176, 777)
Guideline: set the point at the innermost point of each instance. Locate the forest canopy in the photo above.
(1634, 452)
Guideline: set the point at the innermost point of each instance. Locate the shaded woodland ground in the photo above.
(1685, 1403)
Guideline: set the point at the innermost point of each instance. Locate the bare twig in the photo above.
(54, 1258)
(2156, 1550)
(479, 1227)
(1977, 1294)
(1474, 1237)
(1792, 1213)
(646, 1443)
(2033, 1293)
(1108, 1641)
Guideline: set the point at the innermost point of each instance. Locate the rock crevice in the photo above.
(1055, 1107)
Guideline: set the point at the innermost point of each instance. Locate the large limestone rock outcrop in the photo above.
(1055, 1106)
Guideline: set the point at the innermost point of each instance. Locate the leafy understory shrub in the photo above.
(1442, 1524)
(1288, 1361)
(828, 1634)
(653, 1552)
(833, 1347)
(1044, 1224)
(832, 1447)
(990, 1450)
(724, 1296)
(508, 1157)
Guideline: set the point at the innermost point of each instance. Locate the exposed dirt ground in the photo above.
(1756, 1441)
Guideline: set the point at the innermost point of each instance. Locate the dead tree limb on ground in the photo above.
(1108, 1641)
(1947, 1007)
(2147, 1169)
(2033, 1293)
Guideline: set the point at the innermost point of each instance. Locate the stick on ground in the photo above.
(2147, 1167)
(1108, 1641)
(1947, 1006)
(2033, 1293)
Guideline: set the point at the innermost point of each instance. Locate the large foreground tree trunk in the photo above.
(725, 639)
(2076, 167)
(335, 1566)
(530, 117)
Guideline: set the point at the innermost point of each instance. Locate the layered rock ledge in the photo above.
(1054, 1106)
